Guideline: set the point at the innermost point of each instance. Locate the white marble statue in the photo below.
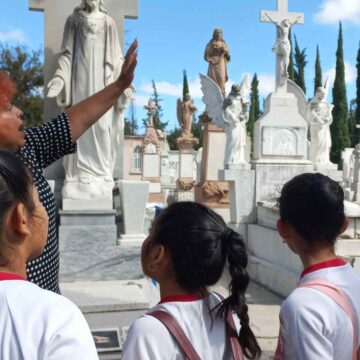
(230, 114)
(282, 45)
(320, 118)
(90, 59)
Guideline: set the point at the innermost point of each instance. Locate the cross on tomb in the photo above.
(277, 18)
(150, 107)
(56, 12)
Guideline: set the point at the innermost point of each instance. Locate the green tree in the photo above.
(339, 128)
(318, 71)
(357, 101)
(131, 126)
(197, 130)
(300, 64)
(158, 113)
(185, 86)
(255, 111)
(26, 68)
(291, 70)
(172, 137)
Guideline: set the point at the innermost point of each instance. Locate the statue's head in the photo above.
(236, 90)
(187, 97)
(218, 34)
(320, 93)
(285, 23)
(90, 5)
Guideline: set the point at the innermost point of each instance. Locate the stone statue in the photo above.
(230, 114)
(185, 115)
(90, 59)
(282, 46)
(320, 118)
(217, 54)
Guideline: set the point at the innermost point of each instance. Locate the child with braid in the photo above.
(186, 252)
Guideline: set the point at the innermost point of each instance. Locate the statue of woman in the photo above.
(217, 54)
(90, 58)
(185, 113)
(320, 119)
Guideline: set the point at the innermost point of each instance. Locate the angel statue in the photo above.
(320, 118)
(230, 114)
(185, 114)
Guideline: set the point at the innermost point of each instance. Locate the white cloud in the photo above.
(141, 100)
(333, 11)
(350, 74)
(266, 84)
(13, 35)
(170, 89)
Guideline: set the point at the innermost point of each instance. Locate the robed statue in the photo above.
(185, 115)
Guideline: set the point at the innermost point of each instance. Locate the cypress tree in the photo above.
(339, 128)
(185, 86)
(291, 70)
(318, 71)
(300, 63)
(255, 111)
(357, 103)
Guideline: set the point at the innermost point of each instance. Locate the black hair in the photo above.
(313, 205)
(15, 186)
(199, 243)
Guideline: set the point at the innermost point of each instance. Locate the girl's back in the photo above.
(206, 333)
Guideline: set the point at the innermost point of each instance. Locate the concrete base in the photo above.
(93, 232)
(134, 196)
(185, 195)
(271, 176)
(133, 240)
(79, 205)
(241, 194)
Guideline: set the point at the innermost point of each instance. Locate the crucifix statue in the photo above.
(283, 19)
(150, 107)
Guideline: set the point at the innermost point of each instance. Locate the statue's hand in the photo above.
(127, 71)
(55, 86)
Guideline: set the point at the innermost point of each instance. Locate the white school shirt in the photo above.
(149, 339)
(37, 324)
(313, 326)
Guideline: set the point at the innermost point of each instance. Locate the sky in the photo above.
(173, 34)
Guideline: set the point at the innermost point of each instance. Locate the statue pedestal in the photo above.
(211, 191)
(186, 183)
(241, 194)
(93, 231)
(281, 133)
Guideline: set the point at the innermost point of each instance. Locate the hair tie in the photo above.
(226, 235)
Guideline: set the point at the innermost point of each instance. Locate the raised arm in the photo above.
(87, 112)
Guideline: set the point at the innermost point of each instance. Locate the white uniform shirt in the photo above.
(37, 324)
(313, 326)
(149, 339)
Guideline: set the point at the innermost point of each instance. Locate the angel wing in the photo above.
(214, 100)
(179, 112)
(245, 87)
(327, 87)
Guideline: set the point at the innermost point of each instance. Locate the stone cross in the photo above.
(56, 12)
(277, 17)
(150, 108)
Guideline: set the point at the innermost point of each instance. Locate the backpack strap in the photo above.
(233, 335)
(177, 332)
(340, 298)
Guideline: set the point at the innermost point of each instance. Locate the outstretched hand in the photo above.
(127, 71)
